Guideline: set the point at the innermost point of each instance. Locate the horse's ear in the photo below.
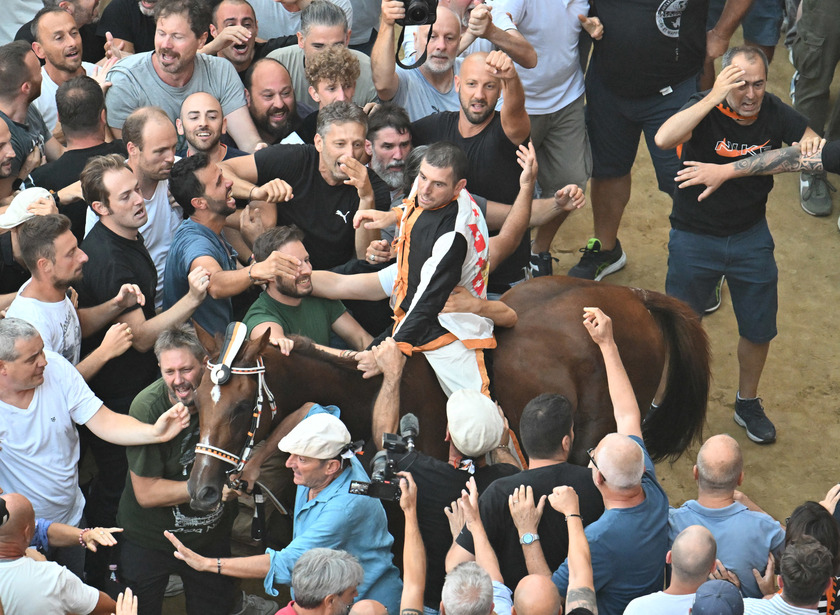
(255, 348)
(211, 344)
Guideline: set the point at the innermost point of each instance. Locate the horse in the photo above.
(548, 350)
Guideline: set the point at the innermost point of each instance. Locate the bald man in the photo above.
(692, 559)
(29, 586)
(202, 123)
(744, 537)
(630, 540)
(536, 595)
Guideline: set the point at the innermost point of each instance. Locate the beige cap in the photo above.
(18, 211)
(320, 436)
(475, 424)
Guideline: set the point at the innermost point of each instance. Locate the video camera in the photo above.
(384, 483)
(419, 12)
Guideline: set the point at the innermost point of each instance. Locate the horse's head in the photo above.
(225, 413)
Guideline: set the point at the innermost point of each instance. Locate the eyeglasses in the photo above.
(592, 459)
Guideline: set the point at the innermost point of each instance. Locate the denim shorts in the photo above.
(615, 124)
(762, 24)
(696, 262)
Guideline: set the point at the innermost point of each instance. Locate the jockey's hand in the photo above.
(367, 363)
(598, 324)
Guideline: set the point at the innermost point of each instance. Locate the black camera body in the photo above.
(419, 12)
(384, 483)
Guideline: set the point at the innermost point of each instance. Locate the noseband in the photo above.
(238, 461)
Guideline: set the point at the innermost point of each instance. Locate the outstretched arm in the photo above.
(414, 553)
(581, 589)
(628, 419)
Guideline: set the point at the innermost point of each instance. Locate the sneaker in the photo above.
(174, 586)
(815, 193)
(254, 605)
(541, 264)
(595, 264)
(714, 298)
(749, 413)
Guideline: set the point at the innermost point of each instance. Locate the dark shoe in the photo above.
(595, 264)
(541, 264)
(749, 413)
(714, 298)
(815, 193)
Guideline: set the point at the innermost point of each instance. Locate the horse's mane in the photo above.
(307, 348)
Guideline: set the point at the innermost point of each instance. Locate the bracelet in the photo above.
(82, 536)
(250, 191)
(346, 354)
(218, 565)
(574, 515)
(250, 277)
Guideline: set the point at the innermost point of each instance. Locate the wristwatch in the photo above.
(528, 538)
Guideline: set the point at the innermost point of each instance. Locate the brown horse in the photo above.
(548, 350)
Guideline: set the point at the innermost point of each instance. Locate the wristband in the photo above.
(250, 277)
(250, 191)
(574, 515)
(218, 565)
(82, 536)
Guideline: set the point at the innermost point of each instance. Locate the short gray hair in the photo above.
(12, 330)
(181, 336)
(468, 590)
(340, 112)
(621, 461)
(319, 573)
(323, 13)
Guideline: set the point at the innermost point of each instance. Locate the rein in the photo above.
(238, 461)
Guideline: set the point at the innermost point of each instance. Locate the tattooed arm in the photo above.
(581, 589)
(784, 160)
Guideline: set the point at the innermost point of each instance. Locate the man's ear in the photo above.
(132, 149)
(462, 183)
(347, 38)
(198, 202)
(368, 148)
(457, 83)
(213, 31)
(314, 94)
(318, 142)
(179, 126)
(224, 125)
(100, 209)
(202, 40)
(39, 51)
(300, 39)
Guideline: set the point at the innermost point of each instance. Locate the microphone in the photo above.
(409, 429)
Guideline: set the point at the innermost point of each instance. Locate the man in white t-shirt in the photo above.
(692, 559)
(30, 586)
(59, 44)
(42, 399)
(50, 252)
(150, 139)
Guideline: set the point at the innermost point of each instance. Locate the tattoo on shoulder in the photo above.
(583, 597)
(410, 612)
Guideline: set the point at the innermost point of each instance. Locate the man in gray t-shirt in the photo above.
(165, 77)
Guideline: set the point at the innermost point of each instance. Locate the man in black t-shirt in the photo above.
(81, 111)
(323, 185)
(131, 23)
(489, 139)
(642, 71)
(474, 429)
(727, 233)
(546, 433)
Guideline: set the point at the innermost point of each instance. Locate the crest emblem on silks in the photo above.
(668, 17)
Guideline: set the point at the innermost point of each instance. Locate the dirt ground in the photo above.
(799, 386)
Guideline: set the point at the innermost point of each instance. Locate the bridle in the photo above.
(238, 461)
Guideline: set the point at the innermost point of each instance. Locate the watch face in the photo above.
(527, 539)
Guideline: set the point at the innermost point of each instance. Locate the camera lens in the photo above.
(418, 12)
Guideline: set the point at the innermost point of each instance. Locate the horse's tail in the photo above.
(678, 421)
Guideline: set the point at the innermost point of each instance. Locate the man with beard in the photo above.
(151, 140)
(326, 185)
(490, 140)
(234, 29)
(85, 14)
(117, 256)
(430, 88)
(322, 25)
(7, 158)
(130, 24)
(202, 124)
(205, 196)
(271, 101)
(156, 497)
(20, 85)
(388, 145)
(59, 44)
(51, 254)
(286, 306)
(175, 70)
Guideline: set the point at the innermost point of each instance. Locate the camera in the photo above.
(384, 483)
(419, 12)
